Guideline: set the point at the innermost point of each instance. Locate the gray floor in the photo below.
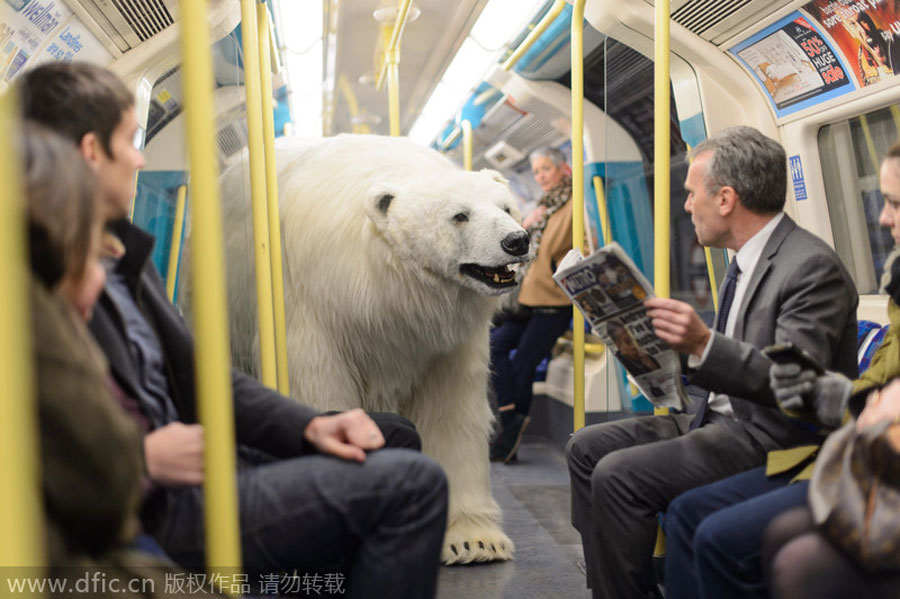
(534, 495)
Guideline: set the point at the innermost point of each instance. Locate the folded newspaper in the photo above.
(610, 290)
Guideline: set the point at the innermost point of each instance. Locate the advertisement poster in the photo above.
(865, 32)
(35, 31)
(25, 26)
(795, 64)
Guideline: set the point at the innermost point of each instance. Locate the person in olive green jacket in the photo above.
(544, 311)
(714, 533)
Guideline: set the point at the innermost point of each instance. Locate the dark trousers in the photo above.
(714, 534)
(532, 338)
(624, 473)
(375, 526)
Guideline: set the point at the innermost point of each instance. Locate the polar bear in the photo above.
(394, 261)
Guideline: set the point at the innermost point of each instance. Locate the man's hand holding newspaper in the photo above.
(610, 291)
(678, 324)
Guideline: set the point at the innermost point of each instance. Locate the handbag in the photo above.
(854, 494)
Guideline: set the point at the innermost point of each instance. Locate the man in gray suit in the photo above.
(784, 284)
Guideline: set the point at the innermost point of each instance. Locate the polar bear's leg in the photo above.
(454, 419)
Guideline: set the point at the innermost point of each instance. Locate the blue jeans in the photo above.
(378, 524)
(714, 534)
(532, 338)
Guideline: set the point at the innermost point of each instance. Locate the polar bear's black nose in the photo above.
(515, 243)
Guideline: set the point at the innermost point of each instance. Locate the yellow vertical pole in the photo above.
(212, 361)
(175, 246)
(265, 312)
(133, 199)
(393, 77)
(661, 142)
(20, 500)
(662, 173)
(467, 144)
(603, 210)
(577, 29)
(712, 278)
(265, 64)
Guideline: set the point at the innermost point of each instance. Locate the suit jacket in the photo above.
(264, 419)
(801, 293)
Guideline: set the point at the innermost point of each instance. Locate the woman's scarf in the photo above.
(554, 199)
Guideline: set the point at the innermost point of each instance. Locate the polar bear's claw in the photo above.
(464, 544)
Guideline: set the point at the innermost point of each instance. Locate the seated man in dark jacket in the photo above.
(310, 497)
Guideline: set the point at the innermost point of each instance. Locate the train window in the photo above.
(619, 80)
(850, 154)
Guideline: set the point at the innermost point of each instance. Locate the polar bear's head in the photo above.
(453, 225)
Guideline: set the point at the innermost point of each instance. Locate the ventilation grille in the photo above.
(701, 15)
(230, 140)
(127, 23)
(145, 17)
(531, 132)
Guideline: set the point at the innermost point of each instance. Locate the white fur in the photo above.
(378, 313)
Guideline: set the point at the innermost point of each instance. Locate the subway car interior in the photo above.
(484, 83)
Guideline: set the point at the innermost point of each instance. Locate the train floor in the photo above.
(533, 493)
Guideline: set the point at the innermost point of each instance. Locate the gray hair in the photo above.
(558, 158)
(753, 164)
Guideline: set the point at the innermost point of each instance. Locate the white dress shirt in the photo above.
(747, 258)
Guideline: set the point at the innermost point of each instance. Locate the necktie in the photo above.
(727, 295)
(721, 319)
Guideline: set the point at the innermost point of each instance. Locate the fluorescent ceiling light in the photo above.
(303, 63)
(442, 102)
(498, 23)
(501, 20)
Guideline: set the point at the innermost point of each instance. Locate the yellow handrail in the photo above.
(175, 246)
(352, 104)
(457, 131)
(264, 305)
(393, 70)
(603, 209)
(274, 217)
(20, 514)
(467, 144)
(551, 15)
(870, 143)
(712, 278)
(393, 42)
(212, 361)
(577, 28)
(661, 141)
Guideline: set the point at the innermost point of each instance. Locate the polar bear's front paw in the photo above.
(466, 542)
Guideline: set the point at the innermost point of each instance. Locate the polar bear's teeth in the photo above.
(496, 278)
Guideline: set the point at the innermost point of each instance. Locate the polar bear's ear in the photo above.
(379, 203)
(383, 202)
(496, 176)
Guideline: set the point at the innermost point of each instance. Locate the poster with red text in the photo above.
(865, 32)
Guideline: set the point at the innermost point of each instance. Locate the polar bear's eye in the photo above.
(461, 217)
(506, 210)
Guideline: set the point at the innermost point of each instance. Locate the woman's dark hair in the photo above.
(60, 204)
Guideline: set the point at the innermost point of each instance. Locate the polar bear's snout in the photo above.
(516, 243)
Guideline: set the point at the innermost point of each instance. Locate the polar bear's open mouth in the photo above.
(494, 277)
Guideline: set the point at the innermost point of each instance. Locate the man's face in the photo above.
(116, 173)
(547, 173)
(703, 207)
(890, 191)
